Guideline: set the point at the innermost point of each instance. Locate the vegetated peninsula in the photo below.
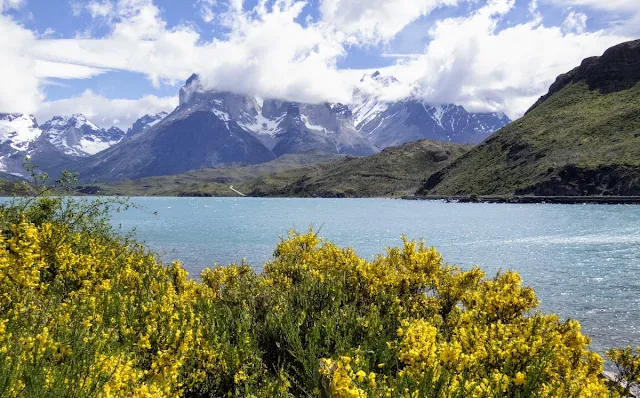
(395, 171)
(581, 139)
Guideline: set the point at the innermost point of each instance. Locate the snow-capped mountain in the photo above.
(283, 127)
(17, 133)
(145, 122)
(76, 136)
(59, 140)
(392, 123)
(211, 128)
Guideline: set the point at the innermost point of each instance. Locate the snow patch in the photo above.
(368, 111)
(20, 130)
(262, 125)
(93, 145)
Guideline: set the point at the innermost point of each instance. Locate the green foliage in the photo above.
(208, 182)
(396, 171)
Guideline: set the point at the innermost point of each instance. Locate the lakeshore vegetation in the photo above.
(87, 312)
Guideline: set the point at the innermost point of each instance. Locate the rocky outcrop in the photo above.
(617, 69)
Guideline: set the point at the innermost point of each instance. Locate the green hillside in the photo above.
(583, 138)
(206, 182)
(396, 171)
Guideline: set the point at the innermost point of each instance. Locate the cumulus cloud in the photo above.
(472, 63)
(625, 13)
(107, 112)
(266, 53)
(270, 55)
(139, 41)
(20, 85)
(373, 21)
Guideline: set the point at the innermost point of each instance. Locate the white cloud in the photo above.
(20, 86)
(576, 22)
(48, 69)
(272, 56)
(471, 63)
(107, 112)
(100, 8)
(206, 10)
(267, 52)
(624, 13)
(8, 4)
(373, 21)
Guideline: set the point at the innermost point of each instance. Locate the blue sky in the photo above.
(118, 59)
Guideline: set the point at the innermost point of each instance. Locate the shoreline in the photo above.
(603, 200)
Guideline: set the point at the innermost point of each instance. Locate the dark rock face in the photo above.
(571, 180)
(202, 140)
(616, 70)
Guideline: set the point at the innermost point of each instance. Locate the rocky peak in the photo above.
(616, 70)
(191, 86)
(145, 122)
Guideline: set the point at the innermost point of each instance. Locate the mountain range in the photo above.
(210, 128)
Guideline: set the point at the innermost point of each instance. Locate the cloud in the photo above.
(624, 13)
(270, 55)
(48, 69)
(576, 22)
(139, 41)
(8, 4)
(20, 85)
(471, 62)
(107, 112)
(374, 21)
(206, 10)
(267, 52)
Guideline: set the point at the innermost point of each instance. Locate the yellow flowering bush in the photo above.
(85, 312)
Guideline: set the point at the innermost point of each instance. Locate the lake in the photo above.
(582, 260)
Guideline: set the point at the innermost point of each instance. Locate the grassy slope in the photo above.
(576, 131)
(395, 171)
(11, 185)
(213, 182)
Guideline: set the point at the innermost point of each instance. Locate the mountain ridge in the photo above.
(582, 138)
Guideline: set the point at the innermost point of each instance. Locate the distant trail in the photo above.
(236, 191)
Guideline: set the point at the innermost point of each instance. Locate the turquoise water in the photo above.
(583, 260)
